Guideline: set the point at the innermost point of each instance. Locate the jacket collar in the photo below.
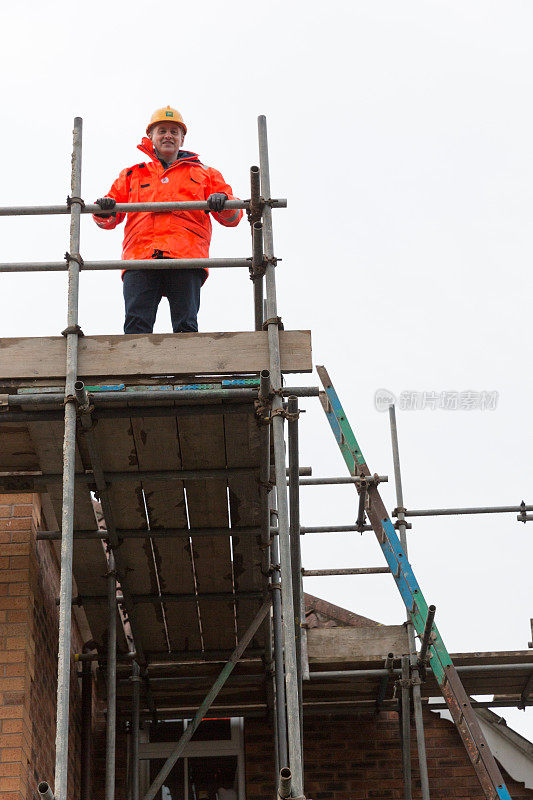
(147, 147)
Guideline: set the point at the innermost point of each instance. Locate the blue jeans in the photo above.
(144, 288)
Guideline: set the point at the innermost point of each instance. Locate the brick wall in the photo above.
(29, 585)
(359, 758)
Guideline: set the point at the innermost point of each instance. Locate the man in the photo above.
(171, 174)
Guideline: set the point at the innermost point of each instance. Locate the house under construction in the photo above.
(151, 575)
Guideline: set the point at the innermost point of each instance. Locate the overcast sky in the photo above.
(401, 135)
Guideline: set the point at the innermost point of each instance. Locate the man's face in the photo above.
(167, 138)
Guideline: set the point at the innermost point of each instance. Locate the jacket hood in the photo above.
(146, 146)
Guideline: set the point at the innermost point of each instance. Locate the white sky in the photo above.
(401, 135)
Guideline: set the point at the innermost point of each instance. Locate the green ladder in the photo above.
(442, 666)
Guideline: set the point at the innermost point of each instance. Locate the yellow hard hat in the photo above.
(167, 114)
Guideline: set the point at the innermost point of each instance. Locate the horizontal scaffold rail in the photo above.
(129, 208)
(451, 512)
(173, 395)
(24, 481)
(147, 263)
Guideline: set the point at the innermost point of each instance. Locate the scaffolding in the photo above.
(262, 605)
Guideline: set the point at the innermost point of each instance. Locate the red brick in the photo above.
(11, 768)
(11, 684)
(10, 784)
(18, 563)
(13, 602)
(22, 510)
(12, 657)
(11, 740)
(5, 511)
(18, 589)
(21, 536)
(11, 796)
(12, 524)
(14, 576)
(15, 670)
(11, 712)
(18, 615)
(13, 629)
(11, 754)
(16, 549)
(13, 698)
(18, 497)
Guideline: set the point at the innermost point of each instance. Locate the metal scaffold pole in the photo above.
(413, 658)
(405, 729)
(86, 725)
(69, 457)
(273, 323)
(135, 725)
(111, 722)
(296, 552)
(279, 682)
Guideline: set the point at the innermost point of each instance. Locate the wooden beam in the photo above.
(356, 644)
(154, 354)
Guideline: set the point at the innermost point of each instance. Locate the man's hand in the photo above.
(106, 204)
(216, 202)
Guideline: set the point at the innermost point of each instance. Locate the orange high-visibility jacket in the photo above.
(178, 234)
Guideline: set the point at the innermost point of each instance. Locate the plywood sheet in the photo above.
(154, 354)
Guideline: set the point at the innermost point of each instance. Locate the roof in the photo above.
(322, 614)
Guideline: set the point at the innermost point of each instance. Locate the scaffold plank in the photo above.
(157, 446)
(243, 449)
(202, 445)
(154, 354)
(116, 445)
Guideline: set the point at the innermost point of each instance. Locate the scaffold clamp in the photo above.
(74, 257)
(73, 329)
(75, 199)
(273, 321)
(290, 416)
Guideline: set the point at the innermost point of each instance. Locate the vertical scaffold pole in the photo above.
(406, 729)
(86, 727)
(257, 246)
(135, 725)
(296, 552)
(69, 456)
(111, 722)
(279, 680)
(272, 322)
(415, 673)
